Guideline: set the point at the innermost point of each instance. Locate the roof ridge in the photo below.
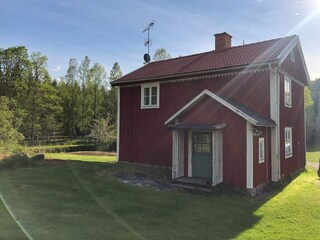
(233, 47)
(270, 40)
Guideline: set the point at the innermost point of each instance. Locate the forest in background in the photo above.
(34, 108)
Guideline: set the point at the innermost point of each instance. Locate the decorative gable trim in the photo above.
(203, 94)
(195, 78)
(287, 51)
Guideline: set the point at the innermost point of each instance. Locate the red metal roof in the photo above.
(255, 53)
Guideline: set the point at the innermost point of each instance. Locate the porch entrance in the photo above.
(202, 154)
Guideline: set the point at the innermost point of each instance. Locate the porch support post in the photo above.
(249, 156)
(189, 153)
(217, 157)
(177, 154)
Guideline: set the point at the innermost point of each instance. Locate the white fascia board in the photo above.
(215, 97)
(284, 54)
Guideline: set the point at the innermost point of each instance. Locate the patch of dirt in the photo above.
(143, 181)
(313, 165)
(152, 178)
(94, 153)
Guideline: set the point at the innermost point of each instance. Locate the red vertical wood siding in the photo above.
(292, 117)
(295, 68)
(261, 171)
(145, 139)
(234, 137)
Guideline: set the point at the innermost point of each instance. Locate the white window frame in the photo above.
(261, 150)
(287, 92)
(292, 56)
(288, 152)
(150, 86)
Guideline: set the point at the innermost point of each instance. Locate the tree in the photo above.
(9, 136)
(112, 95)
(161, 54)
(14, 70)
(70, 97)
(86, 100)
(33, 102)
(98, 78)
(310, 115)
(103, 132)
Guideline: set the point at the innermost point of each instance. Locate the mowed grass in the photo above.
(77, 157)
(313, 153)
(76, 200)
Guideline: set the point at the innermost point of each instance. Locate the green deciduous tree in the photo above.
(310, 115)
(103, 132)
(14, 70)
(111, 101)
(9, 136)
(98, 79)
(161, 54)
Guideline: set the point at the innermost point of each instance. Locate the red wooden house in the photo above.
(232, 115)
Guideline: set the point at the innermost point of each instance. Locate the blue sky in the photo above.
(111, 31)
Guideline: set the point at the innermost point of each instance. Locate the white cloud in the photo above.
(56, 69)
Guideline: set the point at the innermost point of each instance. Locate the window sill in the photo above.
(288, 106)
(150, 107)
(288, 156)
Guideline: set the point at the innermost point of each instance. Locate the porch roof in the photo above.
(245, 112)
(198, 126)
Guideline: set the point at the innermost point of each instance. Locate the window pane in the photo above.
(146, 101)
(147, 92)
(206, 148)
(154, 91)
(154, 100)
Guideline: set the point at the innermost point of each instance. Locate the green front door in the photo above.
(202, 154)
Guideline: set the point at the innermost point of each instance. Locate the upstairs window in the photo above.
(292, 57)
(150, 95)
(261, 150)
(288, 141)
(287, 92)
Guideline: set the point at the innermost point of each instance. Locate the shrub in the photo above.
(17, 160)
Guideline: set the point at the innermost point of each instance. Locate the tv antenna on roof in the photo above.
(148, 42)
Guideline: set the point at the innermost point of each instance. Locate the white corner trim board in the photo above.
(249, 156)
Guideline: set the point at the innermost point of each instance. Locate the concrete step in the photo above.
(193, 187)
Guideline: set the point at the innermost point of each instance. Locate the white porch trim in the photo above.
(249, 156)
(217, 157)
(200, 96)
(177, 154)
(189, 153)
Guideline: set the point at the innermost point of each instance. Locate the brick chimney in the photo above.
(223, 41)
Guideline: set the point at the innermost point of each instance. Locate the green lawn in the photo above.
(313, 153)
(70, 156)
(73, 200)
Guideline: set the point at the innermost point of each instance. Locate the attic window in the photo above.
(150, 95)
(292, 57)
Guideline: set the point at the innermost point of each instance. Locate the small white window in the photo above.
(287, 92)
(150, 95)
(292, 57)
(261, 150)
(288, 141)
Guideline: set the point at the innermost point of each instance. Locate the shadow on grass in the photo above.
(72, 200)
